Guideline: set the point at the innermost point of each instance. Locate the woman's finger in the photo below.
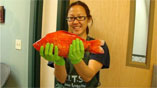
(51, 50)
(77, 45)
(81, 46)
(42, 51)
(47, 49)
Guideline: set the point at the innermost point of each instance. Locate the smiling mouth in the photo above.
(76, 27)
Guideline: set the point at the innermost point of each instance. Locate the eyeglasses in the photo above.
(79, 18)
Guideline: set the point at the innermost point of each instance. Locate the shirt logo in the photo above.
(74, 81)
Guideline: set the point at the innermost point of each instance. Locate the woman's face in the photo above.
(76, 26)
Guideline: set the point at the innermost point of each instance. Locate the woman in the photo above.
(81, 69)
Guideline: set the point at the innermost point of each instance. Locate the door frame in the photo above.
(36, 10)
(35, 34)
(62, 14)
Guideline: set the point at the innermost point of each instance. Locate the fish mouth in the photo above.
(36, 46)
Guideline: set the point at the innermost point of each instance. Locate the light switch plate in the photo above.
(18, 44)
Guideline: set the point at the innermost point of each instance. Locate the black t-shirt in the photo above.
(74, 80)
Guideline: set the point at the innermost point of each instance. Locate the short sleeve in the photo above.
(102, 58)
(51, 64)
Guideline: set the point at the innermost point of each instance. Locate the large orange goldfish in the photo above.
(63, 39)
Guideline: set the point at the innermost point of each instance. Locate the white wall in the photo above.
(48, 25)
(1, 4)
(16, 26)
(0, 43)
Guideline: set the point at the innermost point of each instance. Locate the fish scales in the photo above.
(63, 39)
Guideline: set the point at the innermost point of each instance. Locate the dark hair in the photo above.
(86, 10)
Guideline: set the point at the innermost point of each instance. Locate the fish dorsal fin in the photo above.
(62, 31)
(71, 34)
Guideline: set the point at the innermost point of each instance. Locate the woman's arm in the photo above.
(59, 63)
(76, 54)
(60, 73)
(87, 72)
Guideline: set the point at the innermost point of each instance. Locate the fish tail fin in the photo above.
(95, 46)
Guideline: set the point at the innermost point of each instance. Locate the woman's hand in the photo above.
(48, 54)
(76, 51)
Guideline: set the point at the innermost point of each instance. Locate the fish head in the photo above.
(38, 44)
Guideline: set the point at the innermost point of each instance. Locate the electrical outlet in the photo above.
(18, 44)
